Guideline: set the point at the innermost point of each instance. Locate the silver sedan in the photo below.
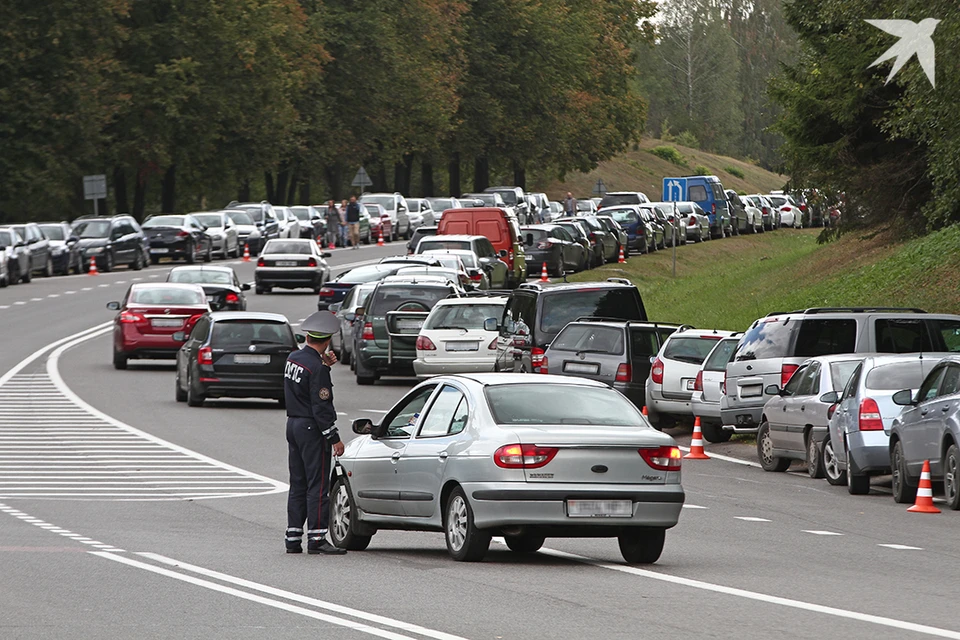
(519, 456)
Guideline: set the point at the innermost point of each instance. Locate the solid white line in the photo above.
(751, 519)
(20, 366)
(821, 533)
(296, 597)
(900, 547)
(693, 506)
(349, 624)
(762, 597)
(717, 456)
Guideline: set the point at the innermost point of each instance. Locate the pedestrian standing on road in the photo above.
(353, 219)
(333, 223)
(311, 435)
(344, 227)
(570, 205)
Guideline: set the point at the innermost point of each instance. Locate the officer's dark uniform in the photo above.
(311, 433)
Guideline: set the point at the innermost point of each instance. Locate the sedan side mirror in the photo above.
(490, 324)
(362, 426)
(830, 397)
(335, 307)
(245, 286)
(904, 398)
(349, 316)
(325, 254)
(772, 390)
(360, 311)
(113, 306)
(503, 253)
(73, 240)
(179, 336)
(301, 338)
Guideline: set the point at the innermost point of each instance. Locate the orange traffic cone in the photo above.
(93, 267)
(543, 274)
(924, 502)
(380, 239)
(246, 252)
(644, 410)
(621, 259)
(696, 444)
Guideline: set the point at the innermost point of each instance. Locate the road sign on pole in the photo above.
(674, 189)
(600, 188)
(361, 179)
(95, 188)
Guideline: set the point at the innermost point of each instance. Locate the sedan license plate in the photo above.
(286, 263)
(248, 358)
(580, 367)
(409, 324)
(159, 250)
(463, 346)
(166, 323)
(751, 391)
(599, 508)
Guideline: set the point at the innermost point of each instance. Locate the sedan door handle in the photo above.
(923, 412)
(443, 455)
(803, 407)
(945, 409)
(395, 457)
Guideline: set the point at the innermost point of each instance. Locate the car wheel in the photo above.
(814, 459)
(137, 261)
(903, 493)
(180, 394)
(699, 237)
(48, 269)
(858, 484)
(107, 262)
(768, 461)
(119, 360)
(465, 542)
(642, 547)
(714, 433)
(831, 465)
(3, 282)
(343, 520)
(951, 477)
(208, 257)
(525, 543)
(191, 253)
(194, 399)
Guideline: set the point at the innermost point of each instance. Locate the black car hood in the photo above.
(92, 242)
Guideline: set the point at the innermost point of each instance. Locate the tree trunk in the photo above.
(519, 175)
(481, 174)
(120, 190)
(380, 178)
(294, 180)
(139, 195)
(453, 169)
(268, 182)
(168, 190)
(401, 175)
(283, 176)
(243, 193)
(305, 191)
(426, 179)
(333, 182)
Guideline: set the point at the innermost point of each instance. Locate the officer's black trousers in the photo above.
(309, 460)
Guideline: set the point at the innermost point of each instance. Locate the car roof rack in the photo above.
(620, 281)
(489, 293)
(815, 310)
(668, 325)
(535, 286)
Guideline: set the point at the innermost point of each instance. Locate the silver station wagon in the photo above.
(513, 455)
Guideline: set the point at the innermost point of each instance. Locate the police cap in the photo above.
(320, 325)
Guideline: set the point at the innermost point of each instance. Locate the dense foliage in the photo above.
(191, 103)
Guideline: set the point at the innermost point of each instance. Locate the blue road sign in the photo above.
(674, 189)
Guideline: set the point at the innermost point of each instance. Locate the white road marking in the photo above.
(52, 528)
(762, 597)
(375, 410)
(693, 506)
(4, 306)
(296, 597)
(717, 456)
(87, 289)
(136, 279)
(19, 303)
(821, 533)
(751, 519)
(35, 299)
(103, 286)
(900, 547)
(54, 295)
(120, 282)
(276, 604)
(154, 275)
(69, 293)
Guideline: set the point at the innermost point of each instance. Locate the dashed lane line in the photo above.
(900, 547)
(821, 533)
(37, 522)
(751, 519)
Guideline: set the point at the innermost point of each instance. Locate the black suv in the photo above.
(111, 241)
(535, 313)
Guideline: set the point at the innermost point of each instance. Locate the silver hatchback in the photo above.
(520, 456)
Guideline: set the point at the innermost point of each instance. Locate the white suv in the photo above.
(673, 375)
(397, 209)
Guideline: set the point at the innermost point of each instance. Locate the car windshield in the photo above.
(448, 260)
(720, 356)
(166, 295)
(438, 243)
(584, 205)
(163, 221)
(211, 220)
(387, 202)
(612, 199)
(370, 273)
(6, 238)
(52, 231)
(255, 213)
(691, 349)
(443, 272)
(895, 376)
(623, 216)
(389, 298)
(509, 197)
(283, 246)
(777, 201)
(560, 404)
(574, 229)
(584, 338)
(840, 372)
(562, 308)
(200, 276)
(240, 217)
(92, 229)
(462, 316)
(302, 213)
(243, 333)
(439, 205)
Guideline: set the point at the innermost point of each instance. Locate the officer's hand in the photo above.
(329, 358)
(338, 449)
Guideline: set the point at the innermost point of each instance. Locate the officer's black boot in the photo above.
(293, 540)
(320, 545)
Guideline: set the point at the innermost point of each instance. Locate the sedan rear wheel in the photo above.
(858, 484)
(343, 520)
(180, 394)
(831, 465)
(194, 399)
(715, 433)
(524, 543)
(119, 360)
(768, 461)
(814, 459)
(951, 477)
(48, 269)
(191, 256)
(465, 542)
(642, 547)
(903, 493)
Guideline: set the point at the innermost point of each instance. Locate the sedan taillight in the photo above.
(870, 418)
(664, 458)
(523, 456)
(698, 382)
(128, 317)
(232, 298)
(656, 372)
(205, 355)
(261, 262)
(327, 292)
(425, 344)
(311, 262)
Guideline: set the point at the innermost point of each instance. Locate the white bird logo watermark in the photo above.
(914, 39)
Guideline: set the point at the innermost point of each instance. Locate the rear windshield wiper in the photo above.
(445, 326)
(261, 341)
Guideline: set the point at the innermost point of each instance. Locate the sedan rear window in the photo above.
(166, 295)
(201, 276)
(612, 199)
(692, 349)
(371, 273)
(562, 308)
(392, 297)
(301, 248)
(624, 216)
(243, 333)
(52, 231)
(720, 356)
(433, 245)
(560, 404)
(462, 316)
(895, 376)
(582, 338)
(163, 221)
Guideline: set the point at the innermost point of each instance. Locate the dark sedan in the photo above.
(177, 237)
(336, 290)
(234, 354)
(551, 245)
(223, 288)
(579, 234)
(605, 242)
(64, 247)
(41, 260)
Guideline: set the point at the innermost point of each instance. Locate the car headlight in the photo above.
(254, 234)
(58, 251)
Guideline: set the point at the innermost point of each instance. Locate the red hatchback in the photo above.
(149, 316)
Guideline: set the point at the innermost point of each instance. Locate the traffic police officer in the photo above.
(311, 435)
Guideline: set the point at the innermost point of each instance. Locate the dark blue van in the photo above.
(706, 191)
